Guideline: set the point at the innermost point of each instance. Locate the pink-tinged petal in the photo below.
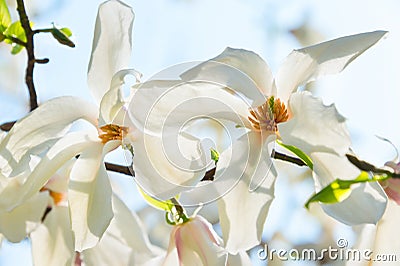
(112, 45)
(163, 173)
(124, 243)
(17, 223)
(245, 206)
(52, 241)
(166, 105)
(241, 70)
(34, 133)
(197, 243)
(331, 57)
(393, 195)
(89, 196)
(367, 201)
(314, 126)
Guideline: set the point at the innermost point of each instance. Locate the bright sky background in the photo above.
(168, 32)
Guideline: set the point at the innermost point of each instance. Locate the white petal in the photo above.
(112, 45)
(17, 223)
(244, 208)
(166, 105)
(314, 126)
(52, 241)
(386, 239)
(113, 101)
(331, 57)
(89, 197)
(34, 133)
(367, 201)
(124, 243)
(241, 70)
(240, 259)
(163, 173)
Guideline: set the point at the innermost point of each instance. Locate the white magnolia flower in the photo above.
(238, 86)
(90, 194)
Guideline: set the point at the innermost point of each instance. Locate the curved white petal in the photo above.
(52, 241)
(244, 208)
(17, 223)
(162, 171)
(124, 243)
(113, 101)
(241, 70)
(89, 196)
(58, 155)
(34, 133)
(331, 57)
(158, 106)
(314, 126)
(367, 201)
(112, 45)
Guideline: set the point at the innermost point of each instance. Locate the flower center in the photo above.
(112, 132)
(267, 116)
(57, 197)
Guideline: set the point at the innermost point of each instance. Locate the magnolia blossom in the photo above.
(123, 243)
(195, 242)
(43, 133)
(238, 86)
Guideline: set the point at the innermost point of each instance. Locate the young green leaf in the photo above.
(15, 30)
(62, 36)
(214, 156)
(158, 204)
(339, 190)
(5, 18)
(304, 157)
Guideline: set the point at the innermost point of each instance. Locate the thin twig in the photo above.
(287, 158)
(30, 52)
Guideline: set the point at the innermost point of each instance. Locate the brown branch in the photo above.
(126, 170)
(7, 125)
(287, 158)
(30, 52)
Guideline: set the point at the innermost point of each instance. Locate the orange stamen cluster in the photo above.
(112, 132)
(57, 197)
(267, 116)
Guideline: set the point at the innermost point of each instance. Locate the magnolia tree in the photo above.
(54, 184)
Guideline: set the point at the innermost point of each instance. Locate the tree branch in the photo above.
(209, 175)
(30, 52)
(7, 125)
(287, 158)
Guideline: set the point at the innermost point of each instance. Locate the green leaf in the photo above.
(66, 31)
(62, 36)
(339, 190)
(15, 30)
(158, 204)
(214, 156)
(304, 157)
(5, 18)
